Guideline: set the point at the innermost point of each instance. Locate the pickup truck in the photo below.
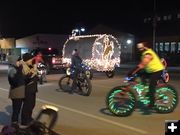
(51, 57)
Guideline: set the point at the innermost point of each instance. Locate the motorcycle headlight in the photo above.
(68, 71)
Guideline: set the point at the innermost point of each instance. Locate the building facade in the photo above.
(7, 46)
(165, 26)
(40, 41)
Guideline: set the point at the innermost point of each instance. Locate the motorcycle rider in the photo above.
(152, 66)
(38, 59)
(76, 65)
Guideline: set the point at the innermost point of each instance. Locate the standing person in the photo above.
(30, 72)
(76, 64)
(152, 66)
(17, 86)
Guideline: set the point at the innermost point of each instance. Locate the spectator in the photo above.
(17, 87)
(30, 72)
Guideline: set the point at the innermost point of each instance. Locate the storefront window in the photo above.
(166, 46)
(173, 47)
(156, 47)
(178, 47)
(161, 47)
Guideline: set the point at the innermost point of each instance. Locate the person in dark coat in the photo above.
(17, 86)
(76, 65)
(30, 71)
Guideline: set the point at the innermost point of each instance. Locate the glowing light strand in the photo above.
(95, 63)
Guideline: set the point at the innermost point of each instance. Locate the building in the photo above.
(57, 41)
(6, 47)
(40, 41)
(166, 34)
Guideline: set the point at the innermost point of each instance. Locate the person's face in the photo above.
(141, 49)
(17, 63)
(39, 54)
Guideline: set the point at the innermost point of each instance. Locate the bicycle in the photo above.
(122, 100)
(83, 82)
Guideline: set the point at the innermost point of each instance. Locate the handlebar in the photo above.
(130, 78)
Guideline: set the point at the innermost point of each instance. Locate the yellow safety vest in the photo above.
(155, 64)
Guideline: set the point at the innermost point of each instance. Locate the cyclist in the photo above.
(76, 64)
(152, 66)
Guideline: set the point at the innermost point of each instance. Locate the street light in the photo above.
(83, 29)
(75, 31)
(129, 41)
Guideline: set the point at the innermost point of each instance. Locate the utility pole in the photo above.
(154, 25)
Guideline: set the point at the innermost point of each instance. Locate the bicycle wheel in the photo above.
(120, 102)
(166, 99)
(85, 86)
(65, 83)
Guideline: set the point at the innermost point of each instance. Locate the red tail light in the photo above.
(53, 60)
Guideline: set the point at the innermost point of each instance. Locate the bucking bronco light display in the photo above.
(100, 52)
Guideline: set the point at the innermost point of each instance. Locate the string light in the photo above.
(106, 59)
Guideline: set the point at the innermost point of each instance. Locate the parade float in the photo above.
(101, 52)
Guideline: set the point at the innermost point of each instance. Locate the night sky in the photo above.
(22, 18)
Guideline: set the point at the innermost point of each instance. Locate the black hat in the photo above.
(27, 56)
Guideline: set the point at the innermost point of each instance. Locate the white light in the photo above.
(129, 41)
(82, 29)
(76, 30)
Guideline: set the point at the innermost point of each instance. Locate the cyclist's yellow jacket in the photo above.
(155, 64)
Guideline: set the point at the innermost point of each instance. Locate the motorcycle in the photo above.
(121, 100)
(86, 69)
(42, 125)
(83, 82)
(41, 72)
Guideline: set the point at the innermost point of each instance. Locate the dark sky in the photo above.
(22, 18)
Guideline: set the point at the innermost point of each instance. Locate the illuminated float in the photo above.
(101, 52)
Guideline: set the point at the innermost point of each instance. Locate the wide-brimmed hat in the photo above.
(27, 56)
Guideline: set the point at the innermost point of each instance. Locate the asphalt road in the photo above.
(79, 115)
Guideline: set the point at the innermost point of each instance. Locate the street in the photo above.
(80, 115)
